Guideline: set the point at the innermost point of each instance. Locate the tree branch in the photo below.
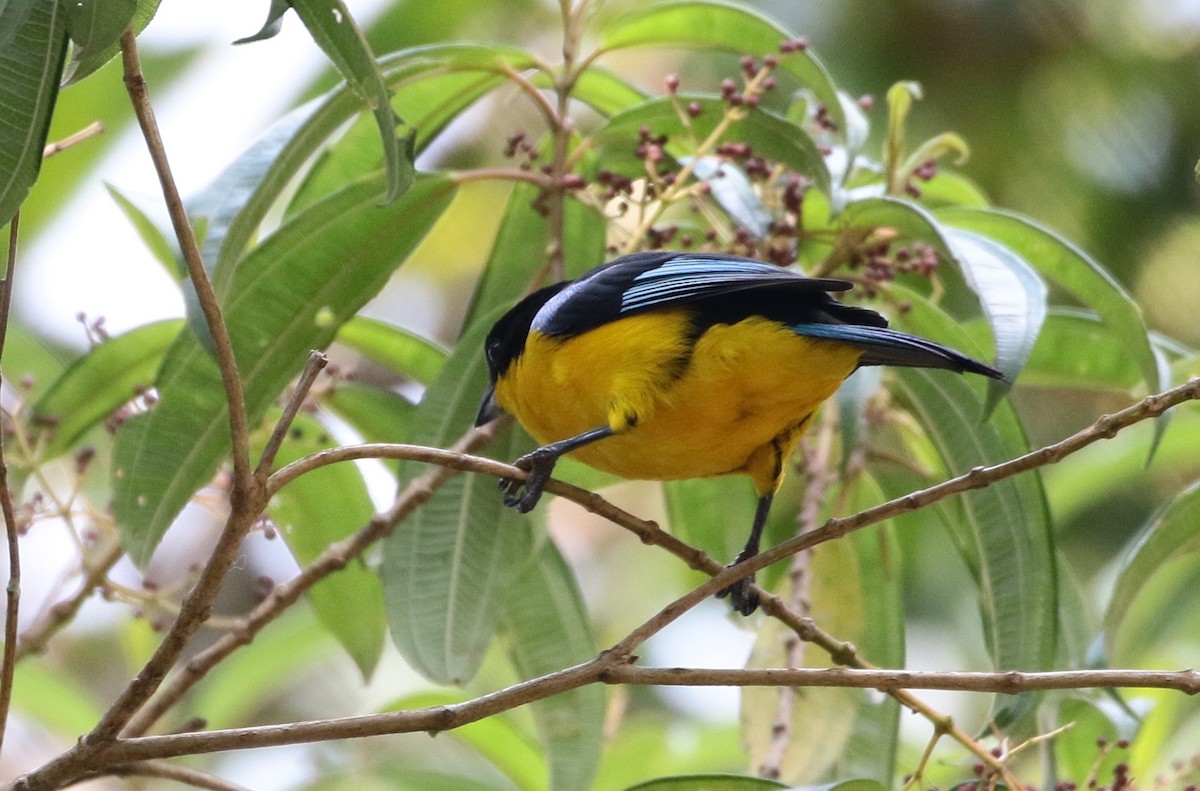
(12, 534)
(312, 369)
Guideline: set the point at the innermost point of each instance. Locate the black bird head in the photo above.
(504, 343)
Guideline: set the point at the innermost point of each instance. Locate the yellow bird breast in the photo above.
(681, 407)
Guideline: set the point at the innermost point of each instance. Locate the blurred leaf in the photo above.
(290, 295)
(714, 514)
(1007, 522)
(160, 246)
(31, 65)
(495, 738)
(377, 415)
(272, 26)
(96, 25)
(335, 31)
(445, 572)
(734, 193)
(522, 247)
(321, 508)
(54, 699)
(548, 630)
(1068, 267)
(249, 679)
(101, 381)
(1013, 299)
(395, 348)
(1171, 534)
(899, 100)
(853, 591)
(769, 135)
(852, 399)
(708, 782)
(83, 64)
(952, 189)
(603, 91)
(725, 26)
(432, 85)
(13, 14)
(1091, 721)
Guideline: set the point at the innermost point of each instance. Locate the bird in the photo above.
(676, 365)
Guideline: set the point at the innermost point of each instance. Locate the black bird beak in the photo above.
(489, 408)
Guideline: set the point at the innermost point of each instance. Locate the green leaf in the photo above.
(447, 569)
(250, 679)
(853, 590)
(96, 25)
(377, 415)
(1170, 534)
(395, 348)
(333, 28)
(1013, 298)
(316, 510)
(547, 628)
(708, 782)
(290, 294)
(31, 65)
(272, 26)
(1073, 270)
(83, 64)
(54, 699)
(603, 91)
(718, 25)
(101, 381)
(899, 100)
(1006, 524)
(159, 244)
(496, 738)
(852, 399)
(714, 514)
(13, 14)
(771, 136)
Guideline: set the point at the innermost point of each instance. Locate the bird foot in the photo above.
(523, 495)
(741, 595)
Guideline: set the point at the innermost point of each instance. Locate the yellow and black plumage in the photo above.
(664, 366)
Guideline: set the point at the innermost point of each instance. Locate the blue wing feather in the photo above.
(883, 346)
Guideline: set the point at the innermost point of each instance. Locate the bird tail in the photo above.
(883, 346)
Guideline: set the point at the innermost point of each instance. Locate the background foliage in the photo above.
(1073, 123)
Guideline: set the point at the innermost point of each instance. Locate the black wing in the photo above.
(719, 289)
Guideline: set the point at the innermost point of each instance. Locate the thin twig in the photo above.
(180, 774)
(332, 559)
(91, 130)
(609, 668)
(312, 369)
(12, 534)
(223, 347)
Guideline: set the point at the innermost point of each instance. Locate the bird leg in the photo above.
(741, 593)
(539, 463)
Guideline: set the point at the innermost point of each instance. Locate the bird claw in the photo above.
(523, 495)
(741, 595)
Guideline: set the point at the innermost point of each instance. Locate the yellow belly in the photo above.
(677, 415)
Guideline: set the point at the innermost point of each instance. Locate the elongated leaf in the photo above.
(377, 415)
(53, 699)
(100, 382)
(13, 14)
(446, 571)
(547, 628)
(735, 194)
(252, 677)
(333, 28)
(498, 739)
(769, 135)
(404, 352)
(603, 91)
(316, 510)
(164, 251)
(1008, 522)
(291, 294)
(96, 25)
(853, 591)
(1170, 534)
(1013, 298)
(718, 25)
(1068, 267)
(31, 64)
(84, 63)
